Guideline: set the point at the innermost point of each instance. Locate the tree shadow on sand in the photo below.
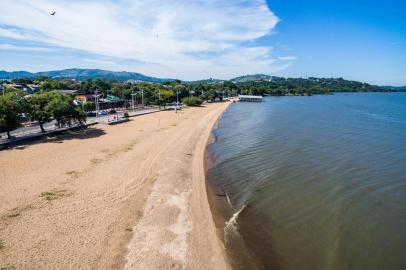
(77, 134)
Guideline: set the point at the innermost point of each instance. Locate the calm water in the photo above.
(318, 182)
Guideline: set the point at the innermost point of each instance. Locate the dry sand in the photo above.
(130, 196)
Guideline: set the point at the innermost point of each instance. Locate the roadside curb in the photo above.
(38, 136)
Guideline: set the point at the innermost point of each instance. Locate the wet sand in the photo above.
(131, 196)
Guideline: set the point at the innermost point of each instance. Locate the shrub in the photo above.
(192, 101)
(89, 106)
(126, 115)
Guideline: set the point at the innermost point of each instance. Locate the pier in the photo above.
(249, 98)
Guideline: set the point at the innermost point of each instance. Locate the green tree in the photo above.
(65, 112)
(89, 106)
(165, 96)
(192, 101)
(10, 111)
(23, 80)
(38, 107)
(51, 84)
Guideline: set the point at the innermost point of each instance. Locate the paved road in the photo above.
(34, 128)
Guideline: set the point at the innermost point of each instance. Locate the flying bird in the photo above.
(53, 13)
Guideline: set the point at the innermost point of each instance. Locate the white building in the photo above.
(249, 98)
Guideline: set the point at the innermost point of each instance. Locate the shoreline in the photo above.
(131, 196)
(225, 217)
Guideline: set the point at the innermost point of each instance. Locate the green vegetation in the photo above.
(89, 106)
(298, 86)
(39, 108)
(42, 107)
(11, 108)
(64, 112)
(209, 90)
(47, 105)
(192, 101)
(49, 85)
(165, 97)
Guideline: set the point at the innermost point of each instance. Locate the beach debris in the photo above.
(8, 267)
(53, 195)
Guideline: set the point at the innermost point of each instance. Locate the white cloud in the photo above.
(99, 61)
(287, 58)
(24, 48)
(187, 39)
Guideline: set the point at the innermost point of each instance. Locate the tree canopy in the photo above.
(11, 107)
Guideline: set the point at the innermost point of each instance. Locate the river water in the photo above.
(313, 182)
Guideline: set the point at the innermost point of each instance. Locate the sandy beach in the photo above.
(131, 196)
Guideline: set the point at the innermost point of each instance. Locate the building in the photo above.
(249, 98)
(28, 88)
(85, 98)
(67, 91)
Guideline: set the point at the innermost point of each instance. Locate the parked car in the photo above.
(103, 113)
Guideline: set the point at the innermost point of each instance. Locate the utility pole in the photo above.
(142, 97)
(159, 98)
(96, 99)
(132, 99)
(177, 101)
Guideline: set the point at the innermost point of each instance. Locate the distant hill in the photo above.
(15, 74)
(208, 81)
(262, 81)
(251, 78)
(83, 74)
(396, 88)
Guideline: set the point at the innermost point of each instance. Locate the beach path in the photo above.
(130, 196)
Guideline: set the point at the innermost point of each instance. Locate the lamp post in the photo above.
(96, 99)
(177, 101)
(132, 99)
(159, 98)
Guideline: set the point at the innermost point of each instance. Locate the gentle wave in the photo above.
(231, 226)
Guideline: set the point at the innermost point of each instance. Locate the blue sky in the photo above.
(359, 39)
(194, 39)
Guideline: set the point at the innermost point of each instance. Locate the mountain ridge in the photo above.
(84, 74)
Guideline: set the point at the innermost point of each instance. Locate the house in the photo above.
(85, 98)
(28, 88)
(67, 91)
(33, 88)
